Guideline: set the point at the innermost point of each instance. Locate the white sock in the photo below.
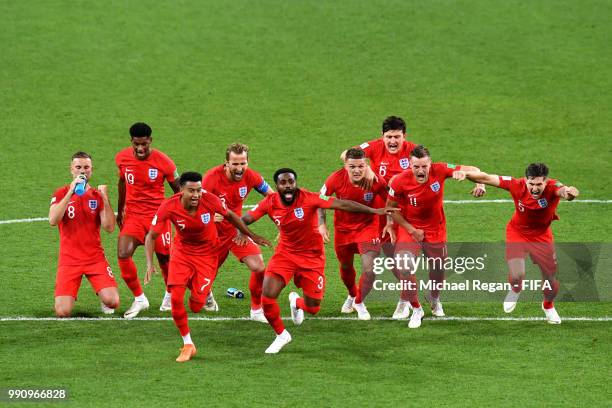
(187, 339)
(167, 295)
(141, 298)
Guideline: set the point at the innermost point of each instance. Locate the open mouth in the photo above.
(238, 175)
(288, 195)
(393, 146)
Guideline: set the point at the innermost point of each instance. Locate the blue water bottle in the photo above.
(79, 189)
(235, 293)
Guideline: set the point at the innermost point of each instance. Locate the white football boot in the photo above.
(211, 304)
(362, 311)
(166, 305)
(416, 318)
(137, 307)
(279, 342)
(106, 310)
(402, 310)
(347, 307)
(297, 315)
(436, 308)
(257, 315)
(552, 316)
(510, 301)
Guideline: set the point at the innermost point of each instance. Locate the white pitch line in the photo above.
(249, 206)
(331, 318)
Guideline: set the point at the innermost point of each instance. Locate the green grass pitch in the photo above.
(493, 84)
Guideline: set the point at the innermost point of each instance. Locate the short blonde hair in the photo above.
(237, 148)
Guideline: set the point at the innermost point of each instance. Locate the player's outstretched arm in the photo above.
(56, 211)
(149, 249)
(477, 177)
(248, 219)
(353, 206)
(107, 215)
(479, 189)
(242, 227)
(120, 200)
(568, 192)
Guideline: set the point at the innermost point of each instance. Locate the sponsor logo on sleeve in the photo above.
(558, 184)
(299, 213)
(404, 163)
(364, 145)
(435, 187)
(391, 192)
(153, 173)
(323, 189)
(506, 178)
(451, 166)
(53, 199)
(205, 218)
(242, 191)
(323, 197)
(175, 174)
(154, 221)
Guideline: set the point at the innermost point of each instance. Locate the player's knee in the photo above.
(313, 310)
(194, 306)
(112, 301)
(258, 267)
(123, 253)
(63, 311)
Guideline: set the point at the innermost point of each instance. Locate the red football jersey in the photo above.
(298, 223)
(195, 234)
(232, 193)
(79, 229)
(422, 204)
(384, 163)
(531, 216)
(339, 183)
(144, 180)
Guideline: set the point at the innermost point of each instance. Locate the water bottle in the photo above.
(235, 293)
(79, 189)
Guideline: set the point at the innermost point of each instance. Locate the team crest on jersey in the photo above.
(368, 196)
(404, 163)
(542, 203)
(93, 204)
(242, 191)
(153, 174)
(205, 218)
(299, 212)
(435, 187)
